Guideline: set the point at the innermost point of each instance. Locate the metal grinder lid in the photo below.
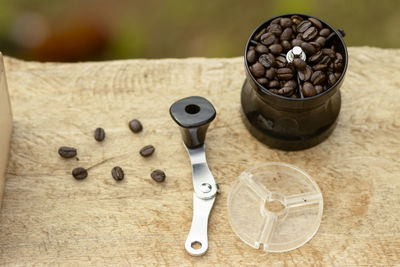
(276, 205)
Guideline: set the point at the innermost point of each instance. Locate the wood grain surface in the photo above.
(49, 218)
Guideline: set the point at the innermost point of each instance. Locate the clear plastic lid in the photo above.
(276, 205)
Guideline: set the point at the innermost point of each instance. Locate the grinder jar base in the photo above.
(262, 127)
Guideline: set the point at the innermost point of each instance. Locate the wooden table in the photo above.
(50, 218)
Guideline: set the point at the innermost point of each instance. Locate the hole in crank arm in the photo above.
(197, 241)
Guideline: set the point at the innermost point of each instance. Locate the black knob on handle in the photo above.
(193, 114)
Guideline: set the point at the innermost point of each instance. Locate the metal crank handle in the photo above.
(194, 115)
(197, 241)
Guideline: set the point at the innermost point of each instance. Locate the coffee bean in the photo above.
(276, 21)
(322, 67)
(296, 42)
(262, 81)
(329, 52)
(79, 173)
(318, 77)
(305, 75)
(147, 151)
(251, 56)
(267, 60)
(338, 65)
(136, 125)
(331, 79)
(286, 45)
(99, 134)
(291, 84)
(67, 152)
(299, 64)
(319, 89)
(117, 173)
(320, 40)
(316, 23)
(324, 32)
(299, 36)
(325, 60)
(158, 176)
(303, 26)
(286, 91)
(284, 74)
(310, 34)
(316, 45)
(339, 56)
(315, 58)
(257, 69)
(286, 34)
(280, 62)
(270, 74)
(337, 75)
(258, 35)
(261, 49)
(308, 89)
(275, 29)
(251, 47)
(268, 38)
(273, 84)
(276, 49)
(308, 48)
(296, 19)
(285, 22)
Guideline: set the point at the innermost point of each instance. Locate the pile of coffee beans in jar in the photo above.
(299, 78)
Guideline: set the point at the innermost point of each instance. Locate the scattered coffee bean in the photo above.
(79, 173)
(308, 89)
(67, 152)
(117, 173)
(136, 125)
(147, 151)
(99, 134)
(158, 176)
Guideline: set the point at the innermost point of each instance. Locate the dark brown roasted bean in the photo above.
(79, 173)
(318, 77)
(136, 126)
(285, 22)
(308, 48)
(286, 45)
(257, 69)
(270, 73)
(276, 49)
(280, 62)
(284, 74)
(286, 34)
(268, 38)
(258, 35)
(315, 58)
(299, 64)
(99, 134)
(310, 34)
(117, 173)
(308, 89)
(67, 152)
(261, 49)
(296, 19)
(316, 23)
(267, 60)
(275, 29)
(303, 26)
(273, 84)
(305, 75)
(147, 151)
(262, 81)
(324, 32)
(158, 176)
(322, 67)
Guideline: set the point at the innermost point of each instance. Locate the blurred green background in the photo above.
(73, 30)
